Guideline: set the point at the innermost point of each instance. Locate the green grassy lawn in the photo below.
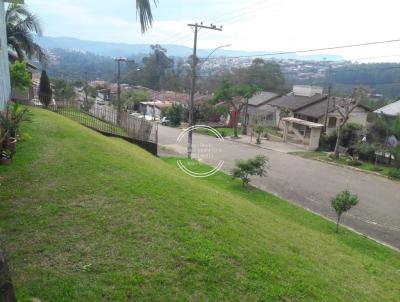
(223, 131)
(91, 218)
(345, 161)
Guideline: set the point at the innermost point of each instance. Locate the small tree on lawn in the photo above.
(259, 128)
(341, 203)
(345, 107)
(45, 92)
(246, 168)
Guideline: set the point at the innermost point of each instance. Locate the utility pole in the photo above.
(328, 100)
(196, 27)
(119, 60)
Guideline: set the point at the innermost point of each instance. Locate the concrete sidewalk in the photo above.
(269, 144)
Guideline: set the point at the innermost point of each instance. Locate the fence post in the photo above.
(7, 293)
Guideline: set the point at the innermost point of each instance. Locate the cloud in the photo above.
(269, 25)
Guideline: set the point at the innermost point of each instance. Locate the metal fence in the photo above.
(108, 121)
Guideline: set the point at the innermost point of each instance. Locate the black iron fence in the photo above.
(110, 122)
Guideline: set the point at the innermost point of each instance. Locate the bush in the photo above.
(351, 134)
(376, 169)
(327, 143)
(354, 163)
(394, 173)
(364, 151)
(174, 114)
(246, 168)
(343, 202)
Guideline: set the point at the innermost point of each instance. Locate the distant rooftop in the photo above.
(392, 109)
(261, 98)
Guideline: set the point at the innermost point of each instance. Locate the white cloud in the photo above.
(271, 25)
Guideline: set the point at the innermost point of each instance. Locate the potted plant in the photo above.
(12, 117)
(10, 144)
(5, 157)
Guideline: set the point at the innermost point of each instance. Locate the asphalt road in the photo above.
(310, 184)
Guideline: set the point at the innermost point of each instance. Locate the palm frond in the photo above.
(143, 10)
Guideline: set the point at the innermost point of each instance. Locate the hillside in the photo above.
(91, 218)
(124, 49)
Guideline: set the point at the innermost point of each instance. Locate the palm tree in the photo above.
(143, 9)
(21, 26)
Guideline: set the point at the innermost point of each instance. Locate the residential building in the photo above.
(259, 109)
(5, 87)
(310, 104)
(153, 109)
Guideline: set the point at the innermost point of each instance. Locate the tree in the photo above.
(264, 75)
(283, 112)
(246, 91)
(45, 92)
(341, 203)
(131, 99)
(259, 128)
(345, 107)
(236, 96)
(19, 76)
(174, 114)
(21, 26)
(63, 90)
(246, 168)
(155, 66)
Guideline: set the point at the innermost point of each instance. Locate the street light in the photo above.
(219, 47)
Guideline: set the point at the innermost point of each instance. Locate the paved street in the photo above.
(311, 184)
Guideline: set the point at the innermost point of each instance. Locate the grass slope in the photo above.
(91, 218)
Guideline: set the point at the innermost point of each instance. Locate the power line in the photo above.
(316, 49)
(183, 36)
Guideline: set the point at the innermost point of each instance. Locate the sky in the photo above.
(254, 25)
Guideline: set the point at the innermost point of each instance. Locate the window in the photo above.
(332, 122)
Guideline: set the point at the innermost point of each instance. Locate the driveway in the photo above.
(311, 184)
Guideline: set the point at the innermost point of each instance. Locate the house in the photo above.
(5, 87)
(391, 110)
(259, 108)
(153, 109)
(309, 103)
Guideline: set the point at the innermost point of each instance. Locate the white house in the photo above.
(5, 87)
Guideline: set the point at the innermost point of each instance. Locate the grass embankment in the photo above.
(91, 218)
(346, 161)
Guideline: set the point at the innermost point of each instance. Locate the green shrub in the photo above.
(376, 169)
(246, 168)
(394, 173)
(343, 202)
(365, 151)
(354, 163)
(351, 134)
(327, 143)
